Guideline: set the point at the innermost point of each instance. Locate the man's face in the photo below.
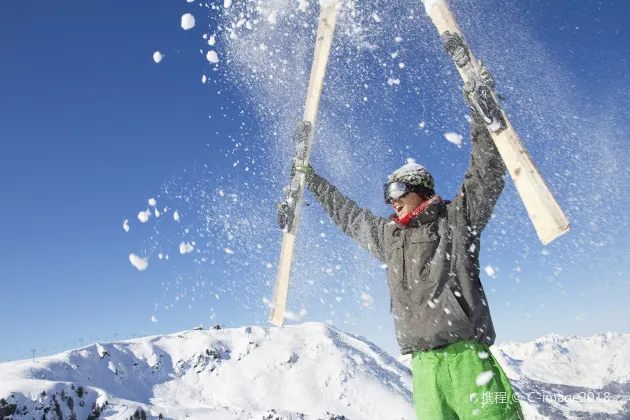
(405, 205)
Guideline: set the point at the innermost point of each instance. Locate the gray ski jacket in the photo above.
(433, 263)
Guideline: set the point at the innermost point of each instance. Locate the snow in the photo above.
(212, 57)
(273, 18)
(227, 3)
(484, 378)
(126, 225)
(143, 216)
(140, 263)
(176, 216)
(398, 39)
(311, 368)
(186, 248)
(376, 18)
(152, 202)
(188, 21)
(212, 40)
(421, 124)
(154, 319)
(229, 251)
(303, 5)
(489, 270)
(157, 56)
(232, 374)
(204, 79)
(454, 138)
(392, 82)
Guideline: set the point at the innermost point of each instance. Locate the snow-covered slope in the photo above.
(304, 371)
(561, 377)
(309, 371)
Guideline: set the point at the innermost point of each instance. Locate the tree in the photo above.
(80, 391)
(136, 415)
(70, 403)
(143, 415)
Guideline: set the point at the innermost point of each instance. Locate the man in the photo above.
(431, 248)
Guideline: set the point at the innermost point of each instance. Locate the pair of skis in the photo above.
(544, 211)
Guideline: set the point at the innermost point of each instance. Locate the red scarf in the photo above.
(418, 210)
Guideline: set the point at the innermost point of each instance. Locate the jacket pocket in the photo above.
(419, 256)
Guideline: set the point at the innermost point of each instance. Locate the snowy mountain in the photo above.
(308, 371)
(561, 377)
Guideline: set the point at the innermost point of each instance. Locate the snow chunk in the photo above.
(140, 263)
(188, 21)
(484, 378)
(376, 18)
(212, 57)
(126, 225)
(273, 18)
(366, 299)
(152, 202)
(490, 271)
(422, 124)
(295, 317)
(454, 138)
(227, 3)
(303, 5)
(154, 319)
(176, 216)
(144, 215)
(483, 355)
(185, 248)
(392, 82)
(157, 56)
(204, 79)
(212, 40)
(229, 251)
(398, 39)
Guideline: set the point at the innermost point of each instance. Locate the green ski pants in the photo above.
(460, 382)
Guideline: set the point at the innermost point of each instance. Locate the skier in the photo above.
(431, 248)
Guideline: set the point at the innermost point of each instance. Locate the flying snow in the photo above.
(212, 57)
(490, 271)
(227, 3)
(126, 225)
(154, 319)
(140, 263)
(185, 248)
(484, 378)
(152, 202)
(176, 216)
(157, 56)
(454, 138)
(144, 215)
(188, 21)
(273, 18)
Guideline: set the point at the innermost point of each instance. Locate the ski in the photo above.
(544, 211)
(289, 209)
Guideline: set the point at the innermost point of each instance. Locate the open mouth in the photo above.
(398, 208)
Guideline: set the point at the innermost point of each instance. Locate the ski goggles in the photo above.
(395, 191)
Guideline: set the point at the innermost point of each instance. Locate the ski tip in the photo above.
(275, 319)
(555, 235)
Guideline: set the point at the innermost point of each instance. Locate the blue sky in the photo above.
(91, 128)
